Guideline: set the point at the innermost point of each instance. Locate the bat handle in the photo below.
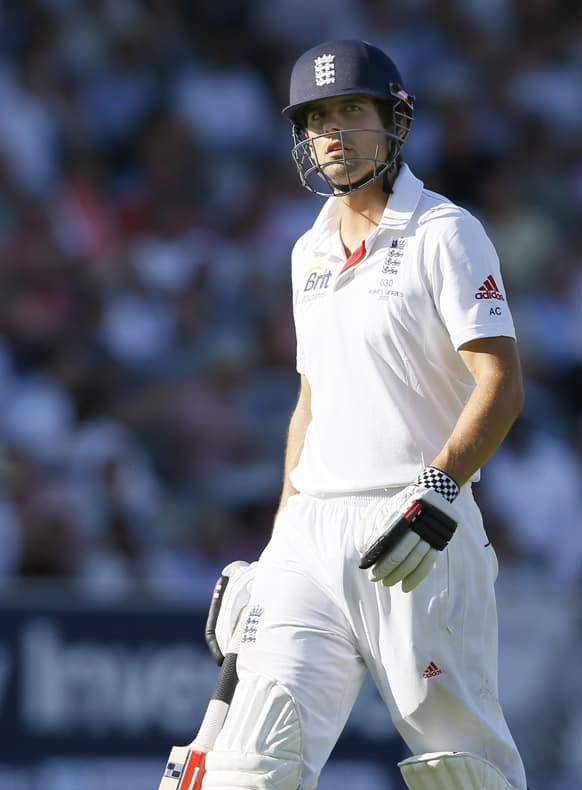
(222, 695)
(218, 706)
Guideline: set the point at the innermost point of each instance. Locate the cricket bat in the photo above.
(185, 766)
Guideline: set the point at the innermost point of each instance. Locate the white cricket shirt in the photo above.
(378, 342)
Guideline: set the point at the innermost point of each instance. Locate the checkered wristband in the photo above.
(439, 481)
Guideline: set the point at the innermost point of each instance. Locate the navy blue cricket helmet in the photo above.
(342, 68)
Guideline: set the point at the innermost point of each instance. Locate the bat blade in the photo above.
(184, 769)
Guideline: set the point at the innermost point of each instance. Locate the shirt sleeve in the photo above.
(466, 280)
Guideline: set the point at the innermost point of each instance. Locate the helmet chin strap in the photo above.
(352, 186)
(386, 183)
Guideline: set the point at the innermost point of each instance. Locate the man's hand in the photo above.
(230, 596)
(411, 528)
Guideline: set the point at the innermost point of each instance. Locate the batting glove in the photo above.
(411, 529)
(230, 597)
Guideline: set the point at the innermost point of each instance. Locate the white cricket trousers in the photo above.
(432, 653)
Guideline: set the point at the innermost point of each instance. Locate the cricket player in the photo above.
(410, 379)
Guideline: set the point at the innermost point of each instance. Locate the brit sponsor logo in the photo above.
(489, 290)
(317, 279)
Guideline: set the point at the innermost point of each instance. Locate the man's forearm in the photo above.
(298, 425)
(482, 425)
(295, 438)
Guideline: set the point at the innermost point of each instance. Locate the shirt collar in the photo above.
(403, 201)
(326, 225)
(399, 209)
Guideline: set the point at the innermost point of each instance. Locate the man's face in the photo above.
(346, 156)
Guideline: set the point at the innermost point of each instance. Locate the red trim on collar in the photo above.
(355, 257)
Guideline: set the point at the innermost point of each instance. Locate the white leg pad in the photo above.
(261, 744)
(452, 771)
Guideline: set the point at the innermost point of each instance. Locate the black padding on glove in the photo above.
(385, 543)
(434, 526)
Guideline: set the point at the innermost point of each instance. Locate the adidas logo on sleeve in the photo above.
(489, 290)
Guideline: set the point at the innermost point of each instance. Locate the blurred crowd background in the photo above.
(148, 205)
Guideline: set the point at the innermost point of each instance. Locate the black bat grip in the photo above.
(227, 679)
(214, 609)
